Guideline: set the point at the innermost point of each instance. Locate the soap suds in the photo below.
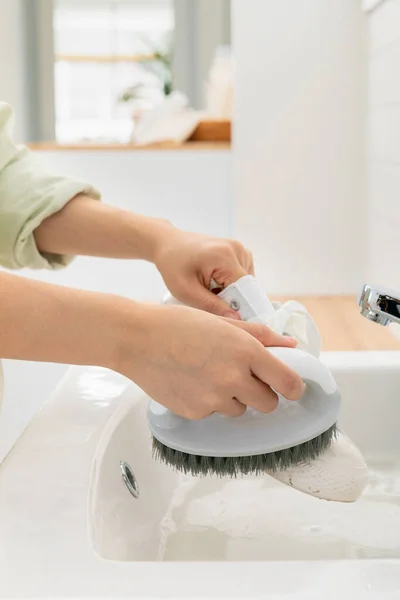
(262, 519)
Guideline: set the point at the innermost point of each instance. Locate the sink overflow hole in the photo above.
(129, 479)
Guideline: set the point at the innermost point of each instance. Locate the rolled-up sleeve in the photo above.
(28, 195)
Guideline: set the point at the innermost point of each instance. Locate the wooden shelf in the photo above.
(212, 130)
(104, 58)
(210, 134)
(167, 146)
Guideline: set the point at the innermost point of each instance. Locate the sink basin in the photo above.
(85, 509)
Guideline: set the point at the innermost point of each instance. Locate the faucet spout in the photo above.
(380, 305)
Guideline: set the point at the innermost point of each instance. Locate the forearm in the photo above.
(87, 227)
(42, 322)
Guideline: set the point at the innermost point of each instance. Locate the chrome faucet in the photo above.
(380, 305)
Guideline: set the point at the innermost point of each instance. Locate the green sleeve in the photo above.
(28, 195)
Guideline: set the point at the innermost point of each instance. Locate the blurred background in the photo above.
(85, 69)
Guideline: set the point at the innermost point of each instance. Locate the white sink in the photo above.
(70, 526)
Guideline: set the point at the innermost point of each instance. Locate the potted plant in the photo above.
(144, 95)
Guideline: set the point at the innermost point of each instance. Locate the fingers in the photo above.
(249, 392)
(264, 334)
(258, 395)
(203, 299)
(249, 263)
(243, 256)
(272, 371)
(224, 261)
(228, 272)
(223, 404)
(229, 262)
(252, 392)
(232, 408)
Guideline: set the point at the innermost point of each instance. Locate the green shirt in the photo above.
(28, 195)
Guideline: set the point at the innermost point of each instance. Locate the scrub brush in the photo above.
(294, 433)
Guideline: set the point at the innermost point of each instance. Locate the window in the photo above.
(112, 60)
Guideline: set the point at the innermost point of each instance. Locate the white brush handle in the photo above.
(244, 296)
(247, 298)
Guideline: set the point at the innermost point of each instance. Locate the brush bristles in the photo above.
(244, 465)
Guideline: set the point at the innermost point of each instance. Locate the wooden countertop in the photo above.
(168, 146)
(343, 328)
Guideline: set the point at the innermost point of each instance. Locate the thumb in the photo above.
(203, 299)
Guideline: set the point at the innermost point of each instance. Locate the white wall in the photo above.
(13, 76)
(192, 189)
(200, 26)
(384, 144)
(299, 142)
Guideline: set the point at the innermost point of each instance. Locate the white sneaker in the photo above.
(339, 474)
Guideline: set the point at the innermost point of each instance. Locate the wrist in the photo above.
(157, 233)
(129, 331)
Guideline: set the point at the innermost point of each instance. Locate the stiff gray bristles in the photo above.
(244, 465)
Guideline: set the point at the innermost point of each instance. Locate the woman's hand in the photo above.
(195, 363)
(190, 361)
(188, 262)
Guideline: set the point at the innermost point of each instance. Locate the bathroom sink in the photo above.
(85, 509)
(183, 518)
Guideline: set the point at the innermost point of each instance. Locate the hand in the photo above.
(196, 363)
(190, 361)
(188, 262)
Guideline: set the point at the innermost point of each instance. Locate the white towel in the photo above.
(290, 318)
